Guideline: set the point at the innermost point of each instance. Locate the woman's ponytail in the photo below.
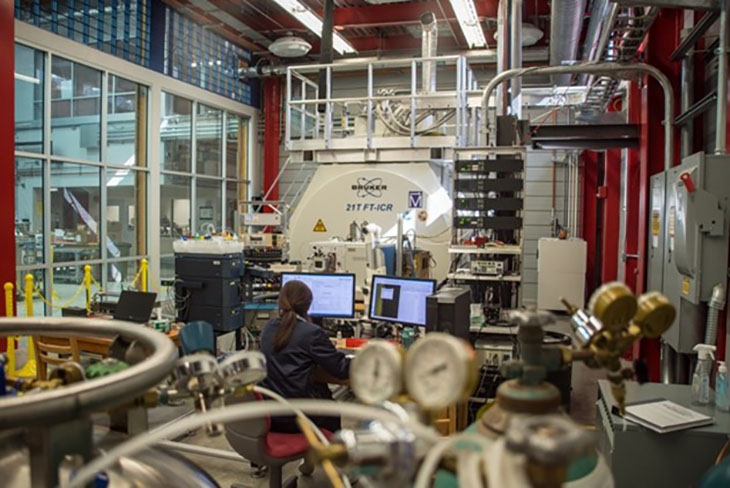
(295, 298)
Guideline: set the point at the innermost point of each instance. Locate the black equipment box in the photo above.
(449, 310)
(223, 319)
(208, 287)
(210, 292)
(188, 265)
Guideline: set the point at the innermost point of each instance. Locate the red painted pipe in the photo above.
(7, 149)
(272, 136)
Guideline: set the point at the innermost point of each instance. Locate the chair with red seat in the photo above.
(254, 441)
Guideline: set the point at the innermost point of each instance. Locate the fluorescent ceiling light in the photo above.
(311, 21)
(466, 14)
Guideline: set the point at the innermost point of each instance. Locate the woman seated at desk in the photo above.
(298, 351)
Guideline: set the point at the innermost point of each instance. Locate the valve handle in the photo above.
(687, 180)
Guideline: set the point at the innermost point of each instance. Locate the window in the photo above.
(126, 122)
(125, 213)
(176, 133)
(208, 194)
(231, 205)
(208, 128)
(174, 210)
(75, 211)
(28, 211)
(29, 71)
(75, 110)
(233, 143)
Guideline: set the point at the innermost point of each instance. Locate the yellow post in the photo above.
(11, 339)
(143, 277)
(29, 295)
(29, 370)
(87, 285)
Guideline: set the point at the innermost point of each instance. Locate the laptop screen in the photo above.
(135, 306)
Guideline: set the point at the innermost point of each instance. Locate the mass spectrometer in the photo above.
(379, 194)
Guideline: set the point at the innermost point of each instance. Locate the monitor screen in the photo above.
(333, 295)
(401, 300)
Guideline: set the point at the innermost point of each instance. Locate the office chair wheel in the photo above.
(259, 470)
(306, 468)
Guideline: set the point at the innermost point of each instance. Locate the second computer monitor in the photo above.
(333, 295)
(401, 300)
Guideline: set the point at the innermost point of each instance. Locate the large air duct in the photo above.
(566, 24)
(599, 13)
(429, 46)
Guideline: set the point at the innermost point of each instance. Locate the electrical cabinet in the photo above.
(561, 272)
(688, 240)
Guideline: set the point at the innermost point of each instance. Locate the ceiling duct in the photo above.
(566, 24)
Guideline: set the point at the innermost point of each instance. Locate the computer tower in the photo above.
(448, 310)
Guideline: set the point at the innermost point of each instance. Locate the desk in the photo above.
(99, 345)
(640, 457)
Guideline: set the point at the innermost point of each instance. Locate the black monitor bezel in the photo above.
(372, 298)
(352, 275)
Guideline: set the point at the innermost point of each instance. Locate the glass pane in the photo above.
(76, 110)
(127, 114)
(125, 206)
(174, 210)
(176, 133)
(39, 308)
(231, 205)
(233, 141)
(208, 128)
(167, 267)
(67, 290)
(75, 211)
(29, 73)
(208, 205)
(28, 211)
(121, 275)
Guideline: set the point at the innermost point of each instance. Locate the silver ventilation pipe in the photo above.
(599, 11)
(429, 47)
(566, 24)
(509, 55)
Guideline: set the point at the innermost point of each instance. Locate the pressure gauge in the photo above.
(376, 372)
(243, 368)
(440, 370)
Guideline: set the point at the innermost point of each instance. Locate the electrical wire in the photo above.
(432, 459)
(239, 412)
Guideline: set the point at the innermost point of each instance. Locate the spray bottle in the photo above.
(722, 400)
(701, 376)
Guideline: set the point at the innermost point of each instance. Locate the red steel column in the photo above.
(610, 192)
(589, 190)
(272, 135)
(7, 149)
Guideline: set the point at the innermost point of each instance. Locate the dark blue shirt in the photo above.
(289, 369)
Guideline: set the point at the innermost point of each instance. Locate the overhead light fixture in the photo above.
(466, 14)
(311, 21)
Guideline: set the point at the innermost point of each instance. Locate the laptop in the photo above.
(135, 306)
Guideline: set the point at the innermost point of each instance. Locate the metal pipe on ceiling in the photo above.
(566, 24)
(429, 48)
(509, 53)
(616, 70)
(721, 110)
(598, 13)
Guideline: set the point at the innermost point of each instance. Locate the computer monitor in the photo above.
(401, 300)
(333, 295)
